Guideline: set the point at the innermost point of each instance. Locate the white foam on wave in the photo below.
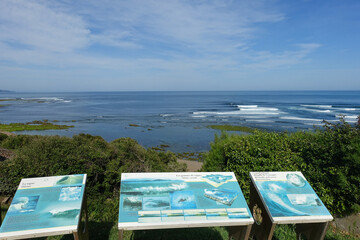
(47, 99)
(259, 120)
(255, 109)
(247, 106)
(314, 124)
(244, 110)
(347, 116)
(301, 119)
(347, 109)
(319, 111)
(217, 113)
(316, 106)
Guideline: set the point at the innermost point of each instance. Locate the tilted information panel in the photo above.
(177, 200)
(289, 198)
(45, 206)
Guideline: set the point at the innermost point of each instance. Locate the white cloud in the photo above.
(141, 38)
(34, 25)
(198, 25)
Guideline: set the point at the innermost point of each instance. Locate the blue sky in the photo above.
(92, 45)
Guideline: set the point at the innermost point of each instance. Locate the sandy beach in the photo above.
(192, 166)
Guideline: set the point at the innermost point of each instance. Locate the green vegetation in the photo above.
(232, 128)
(194, 156)
(38, 156)
(30, 126)
(329, 159)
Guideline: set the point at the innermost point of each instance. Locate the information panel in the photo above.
(45, 205)
(289, 198)
(169, 200)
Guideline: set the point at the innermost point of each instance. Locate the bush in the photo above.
(332, 164)
(328, 158)
(242, 154)
(3, 136)
(103, 162)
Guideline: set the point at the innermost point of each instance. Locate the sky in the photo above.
(169, 45)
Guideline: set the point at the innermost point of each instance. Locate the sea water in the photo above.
(178, 119)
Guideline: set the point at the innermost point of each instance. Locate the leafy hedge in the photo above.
(328, 158)
(38, 156)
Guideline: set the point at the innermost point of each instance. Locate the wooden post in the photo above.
(83, 230)
(314, 231)
(121, 234)
(263, 228)
(6, 200)
(239, 232)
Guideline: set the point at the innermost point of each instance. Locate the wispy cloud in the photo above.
(269, 60)
(198, 25)
(34, 25)
(172, 36)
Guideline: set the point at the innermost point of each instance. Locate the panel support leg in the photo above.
(121, 234)
(239, 232)
(313, 231)
(263, 228)
(6, 200)
(83, 230)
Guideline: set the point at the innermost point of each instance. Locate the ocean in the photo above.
(178, 119)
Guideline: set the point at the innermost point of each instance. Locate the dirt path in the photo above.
(192, 166)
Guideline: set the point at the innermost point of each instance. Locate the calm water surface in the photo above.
(179, 119)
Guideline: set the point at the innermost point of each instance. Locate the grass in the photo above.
(31, 126)
(282, 232)
(232, 128)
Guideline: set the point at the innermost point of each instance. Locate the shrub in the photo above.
(329, 158)
(243, 154)
(103, 162)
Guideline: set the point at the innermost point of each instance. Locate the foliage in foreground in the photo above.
(329, 159)
(103, 162)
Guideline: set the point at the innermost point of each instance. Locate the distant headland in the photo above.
(5, 91)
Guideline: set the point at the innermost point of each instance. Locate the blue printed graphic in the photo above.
(293, 197)
(45, 206)
(23, 204)
(156, 203)
(183, 200)
(150, 200)
(70, 193)
(225, 196)
(218, 178)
